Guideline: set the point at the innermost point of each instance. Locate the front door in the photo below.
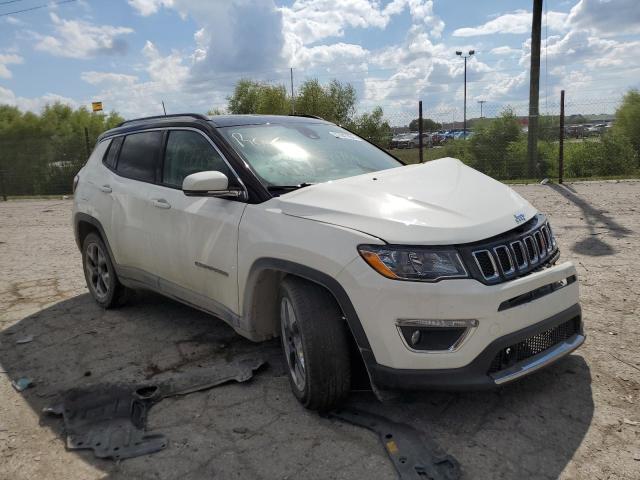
(194, 239)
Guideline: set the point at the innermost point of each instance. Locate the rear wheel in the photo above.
(315, 343)
(100, 275)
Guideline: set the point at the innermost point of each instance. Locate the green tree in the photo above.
(255, 97)
(627, 122)
(335, 102)
(40, 154)
(428, 125)
(373, 127)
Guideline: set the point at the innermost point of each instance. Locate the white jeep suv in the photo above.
(433, 275)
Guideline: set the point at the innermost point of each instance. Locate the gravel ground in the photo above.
(575, 420)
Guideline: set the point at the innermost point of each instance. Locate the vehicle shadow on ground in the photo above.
(527, 430)
(597, 222)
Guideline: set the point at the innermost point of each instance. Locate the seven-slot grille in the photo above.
(516, 257)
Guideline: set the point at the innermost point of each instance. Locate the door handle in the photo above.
(160, 203)
(105, 189)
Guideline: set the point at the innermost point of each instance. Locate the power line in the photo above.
(36, 7)
(10, 1)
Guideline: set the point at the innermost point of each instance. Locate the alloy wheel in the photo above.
(97, 270)
(292, 343)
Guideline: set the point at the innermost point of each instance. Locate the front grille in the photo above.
(534, 345)
(513, 254)
(486, 264)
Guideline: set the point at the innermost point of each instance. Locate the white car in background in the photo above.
(431, 275)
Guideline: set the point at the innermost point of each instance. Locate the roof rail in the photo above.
(306, 115)
(198, 116)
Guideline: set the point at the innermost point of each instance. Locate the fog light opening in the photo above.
(434, 335)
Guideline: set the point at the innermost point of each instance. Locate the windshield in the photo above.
(305, 153)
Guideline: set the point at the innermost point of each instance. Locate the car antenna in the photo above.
(164, 109)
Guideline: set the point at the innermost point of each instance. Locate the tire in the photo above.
(100, 274)
(321, 377)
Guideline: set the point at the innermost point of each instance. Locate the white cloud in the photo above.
(346, 56)
(505, 50)
(501, 86)
(7, 59)
(518, 22)
(35, 104)
(131, 97)
(12, 20)
(606, 17)
(97, 78)
(167, 72)
(80, 39)
(149, 7)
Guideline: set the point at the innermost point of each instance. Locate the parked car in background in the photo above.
(462, 135)
(597, 129)
(430, 275)
(401, 140)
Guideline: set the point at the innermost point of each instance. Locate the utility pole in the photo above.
(481, 102)
(561, 140)
(164, 109)
(293, 99)
(534, 89)
(420, 127)
(471, 52)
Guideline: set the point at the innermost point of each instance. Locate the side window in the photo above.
(110, 158)
(138, 156)
(189, 152)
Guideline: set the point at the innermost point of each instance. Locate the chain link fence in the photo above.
(579, 141)
(584, 142)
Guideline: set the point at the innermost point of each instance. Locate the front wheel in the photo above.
(315, 341)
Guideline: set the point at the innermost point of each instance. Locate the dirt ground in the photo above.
(575, 420)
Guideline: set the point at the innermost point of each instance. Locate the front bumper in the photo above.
(476, 375)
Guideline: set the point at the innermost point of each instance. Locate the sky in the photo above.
(134, 54)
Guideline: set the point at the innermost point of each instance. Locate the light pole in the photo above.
(471, 52)
(481, 102)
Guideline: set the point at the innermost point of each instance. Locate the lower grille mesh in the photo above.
(533, 345)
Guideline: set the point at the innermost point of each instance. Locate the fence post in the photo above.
(420, 143)
(2, 188)
(561, 146)
(86, 141)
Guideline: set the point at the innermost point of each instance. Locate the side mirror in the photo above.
(208, 184)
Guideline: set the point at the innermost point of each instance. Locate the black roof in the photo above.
(195, 119)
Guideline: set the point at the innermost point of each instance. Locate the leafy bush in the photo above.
(613, 155)
(489, 146)
(628, 119)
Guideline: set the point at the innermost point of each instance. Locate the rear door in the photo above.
(137, 168)
(195, 239)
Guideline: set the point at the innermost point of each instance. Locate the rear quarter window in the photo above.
(99, 152)
(112, 154)
(138, 157)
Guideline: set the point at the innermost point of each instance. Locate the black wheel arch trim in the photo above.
(322, 279)
(80, 217)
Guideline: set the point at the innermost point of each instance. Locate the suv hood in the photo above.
(436, 203)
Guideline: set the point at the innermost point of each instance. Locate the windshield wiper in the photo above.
(288, 188)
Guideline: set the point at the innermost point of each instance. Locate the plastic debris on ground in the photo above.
(111, 419)
(21, 384)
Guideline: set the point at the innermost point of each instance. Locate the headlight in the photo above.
(423, 264)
